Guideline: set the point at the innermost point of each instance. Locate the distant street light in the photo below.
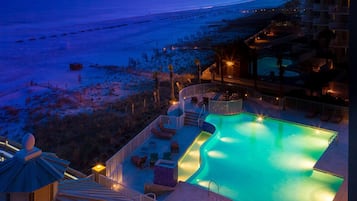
(198, 64)
(172, 96)
(230, 63)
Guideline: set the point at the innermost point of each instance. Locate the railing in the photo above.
(305, 105)
(200, 115)
(338, 10)
(114, 167)
(225, 107)
(9, 145)
(338, 25)
(209, 186)
(8, 148)
(340, 43)
(301, 104)
(194, 90)
(123, 190)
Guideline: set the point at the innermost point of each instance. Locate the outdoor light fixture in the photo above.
(229, 63)
(260, 118)
(174, 102)
(115, 187)
(98, 168)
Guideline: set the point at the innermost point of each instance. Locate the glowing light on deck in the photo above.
(323, 193)
(195, 153)
(260, 118)
(200, 142)
(326, 196)
(189, 166)
(174, 102)
(98, 168)
(116, 187)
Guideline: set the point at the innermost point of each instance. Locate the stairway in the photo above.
(191, 118)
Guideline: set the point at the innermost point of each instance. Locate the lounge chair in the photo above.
(139, 161)
(174, 147)
(194, 100)
(312, 113)
(336, 117)
(204, 101)
(325, 115)
(166, 130)
(161, 134)
(166, 156)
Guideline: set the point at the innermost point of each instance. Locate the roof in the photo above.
(87, 190)
(185, 191)
(30, 169)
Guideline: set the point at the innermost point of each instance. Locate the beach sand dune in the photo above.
(35, 67)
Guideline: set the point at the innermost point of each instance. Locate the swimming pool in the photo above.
(270, 160)
(268, 64)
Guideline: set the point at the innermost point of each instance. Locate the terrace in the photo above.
(121, 169)
(134, 182)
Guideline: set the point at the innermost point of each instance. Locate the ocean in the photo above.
(38, 39)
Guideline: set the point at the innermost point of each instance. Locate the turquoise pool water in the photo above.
(268, 160)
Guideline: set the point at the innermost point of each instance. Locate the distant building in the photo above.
(320, 15)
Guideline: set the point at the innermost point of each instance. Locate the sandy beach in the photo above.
(43, 96)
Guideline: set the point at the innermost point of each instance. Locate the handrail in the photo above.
(114, 164)
(209, 185)
(199, 119)
(15, 147)
(332, 138)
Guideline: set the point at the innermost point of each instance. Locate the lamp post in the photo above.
(281, 78)
(172, 96)
(198, 64)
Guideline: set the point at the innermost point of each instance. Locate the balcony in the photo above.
(340, 44)
(338, 26)
(320, 21)
(320, 7)
(339, 10)
(306, 19)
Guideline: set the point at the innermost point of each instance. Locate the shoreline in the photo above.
(42, 108)
(246, 8)
(138, 13)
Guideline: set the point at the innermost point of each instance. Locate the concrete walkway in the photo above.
(333, 161)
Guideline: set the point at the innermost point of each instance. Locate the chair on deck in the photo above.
(204, 101)
(194, 100)
(336, 117)
(174, 147)
(166, 156)
(325, 115)
(313, 112)
(161, 134)
(166, 130)
(139, 161)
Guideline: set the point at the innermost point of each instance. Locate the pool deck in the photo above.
(334, 160)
